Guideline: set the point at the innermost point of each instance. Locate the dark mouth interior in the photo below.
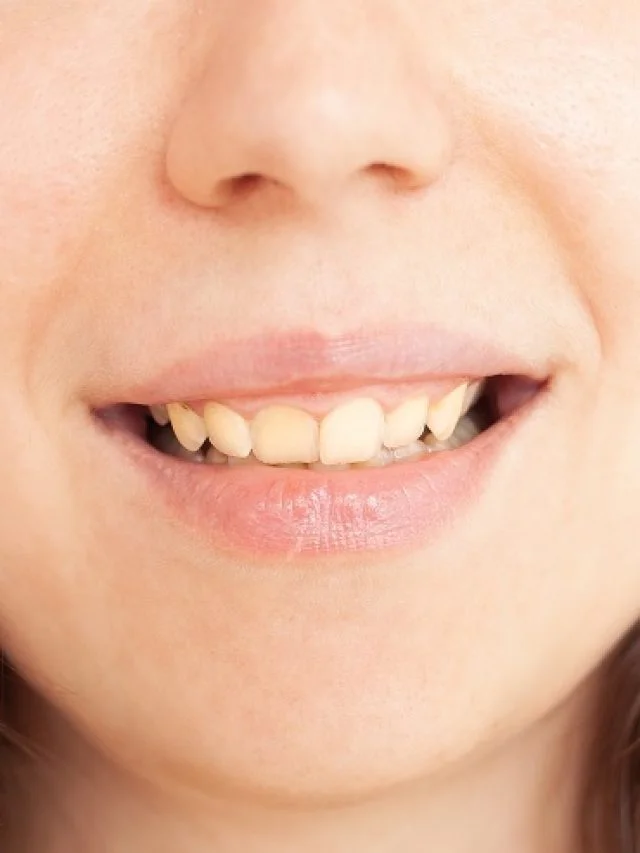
(502, 396)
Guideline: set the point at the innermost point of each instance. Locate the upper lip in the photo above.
(305, 361)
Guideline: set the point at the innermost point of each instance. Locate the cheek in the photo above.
(563, 113)
(76, 116)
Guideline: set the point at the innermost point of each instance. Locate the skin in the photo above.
(217, 704)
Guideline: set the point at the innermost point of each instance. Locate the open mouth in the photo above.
(356, 434)
(297, 444)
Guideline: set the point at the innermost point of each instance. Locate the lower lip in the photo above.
(272, 512)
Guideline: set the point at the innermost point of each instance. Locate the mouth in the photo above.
(354, 435)
(324, 472)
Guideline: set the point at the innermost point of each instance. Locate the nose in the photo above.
(313, 99)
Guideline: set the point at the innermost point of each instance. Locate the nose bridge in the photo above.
(307, 95)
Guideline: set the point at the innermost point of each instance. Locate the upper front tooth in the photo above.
(282, 434)
(228, 431)
(443, 416)
(187, 425)
(352, 432)
(406, 423)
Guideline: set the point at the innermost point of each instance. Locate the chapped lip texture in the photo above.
(280, 513)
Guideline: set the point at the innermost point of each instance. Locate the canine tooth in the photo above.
(444, 415)
(167, 442)
(187, 425)
(228, 430)
(405, 423)
(284, 435)
(159, 414)
(352, 432)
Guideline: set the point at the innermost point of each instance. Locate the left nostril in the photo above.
(396, 176)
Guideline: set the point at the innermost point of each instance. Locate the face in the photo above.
(311, 205)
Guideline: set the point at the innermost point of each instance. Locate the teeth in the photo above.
(319, 466)
(214, 457)
(228, 431)
(472, 395)
(284, 435)
(410, 451)
(243, 461)
(159, 414)
(187, 425)
(443, 416)
(406, 423)
(352, 432)
(466, 430)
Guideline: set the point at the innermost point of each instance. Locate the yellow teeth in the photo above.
(405, 423)
(443, 416)
(228, 431)
(355, 433)
(352, 432)
(282, 434)
(187, 425)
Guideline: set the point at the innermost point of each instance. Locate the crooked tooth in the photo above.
(405, 423)
(443, 416)
(352, 432)
(187, 425)
(160, 415)
(228, 431)
(284, 435)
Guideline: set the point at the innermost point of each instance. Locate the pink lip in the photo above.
(308, 362)
(264, 511)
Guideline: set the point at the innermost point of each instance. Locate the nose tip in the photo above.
(315, 123)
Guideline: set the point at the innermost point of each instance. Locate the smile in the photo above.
(321, 467)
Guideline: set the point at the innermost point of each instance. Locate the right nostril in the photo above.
(238, 186)
(246, 183)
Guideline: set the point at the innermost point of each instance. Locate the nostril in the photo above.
(396, 176)
(237, 187)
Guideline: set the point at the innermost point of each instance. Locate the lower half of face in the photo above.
(315, 438)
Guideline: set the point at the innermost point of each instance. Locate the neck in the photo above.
(522, 797)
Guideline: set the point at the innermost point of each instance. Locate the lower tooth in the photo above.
(243, 461)
(319, 466)
(214, 457)
(409, 452)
